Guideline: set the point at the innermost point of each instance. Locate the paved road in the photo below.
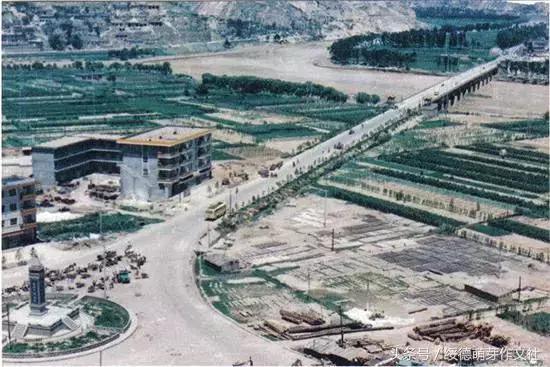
(176, 326)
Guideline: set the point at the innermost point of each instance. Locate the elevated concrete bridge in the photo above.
(456, 87)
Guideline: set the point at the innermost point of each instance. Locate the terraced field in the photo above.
(40, 105)
(44, 104)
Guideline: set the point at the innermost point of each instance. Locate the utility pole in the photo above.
(208, 232)
(325, 216)
(9, 330)
(499, 261)
(100, 358)
(230, 206)
(519, 290)
(332, 247)
(308, 281)
(341, 326)
(104, 255)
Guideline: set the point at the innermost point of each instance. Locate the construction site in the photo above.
(322, 267)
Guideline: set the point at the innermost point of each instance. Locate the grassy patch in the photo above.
(432, 124)
(88, 224)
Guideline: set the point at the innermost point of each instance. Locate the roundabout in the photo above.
(42, 327)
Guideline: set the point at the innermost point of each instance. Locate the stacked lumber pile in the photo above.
(309, 317)
(451, 331)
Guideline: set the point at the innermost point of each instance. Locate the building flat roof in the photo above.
(68, 140)
(166, 136)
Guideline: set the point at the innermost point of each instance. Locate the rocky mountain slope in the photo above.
(164, 24)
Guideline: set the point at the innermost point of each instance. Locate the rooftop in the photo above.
(167, 136)
(68, 140)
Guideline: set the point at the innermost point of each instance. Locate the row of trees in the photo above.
(458, 187)
(365, 98)
(163, 68)
(518, 34)
(255, 85)
(131, 53)
(348, 50)
(390, 207)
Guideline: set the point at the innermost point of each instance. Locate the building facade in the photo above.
(164, 162)
(65, 159)
(153, 165)
(18, 211)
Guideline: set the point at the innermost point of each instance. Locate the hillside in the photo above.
(31, 26)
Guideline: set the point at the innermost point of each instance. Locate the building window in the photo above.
(145, 172)
(13, 192)
(13, 221)
(13, 207)
(3, 223)
(145, 158)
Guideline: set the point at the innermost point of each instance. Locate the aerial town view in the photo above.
(290, 183)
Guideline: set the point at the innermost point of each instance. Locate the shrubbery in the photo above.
(255, 85)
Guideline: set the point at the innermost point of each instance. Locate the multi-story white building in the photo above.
(18, 211)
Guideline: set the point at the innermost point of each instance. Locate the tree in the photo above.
(76, 42)
(56, 42)
(202, 90)
(227, 44)
(78, 65)
(362, 98)
(166, 68)
(111, 78)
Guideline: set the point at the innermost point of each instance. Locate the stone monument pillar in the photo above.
(37, 287)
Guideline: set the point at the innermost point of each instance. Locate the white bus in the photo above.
(216, 211)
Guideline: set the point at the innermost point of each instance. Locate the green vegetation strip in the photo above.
(488, 230)
(432, 124)
(253, 85)
(88, 224)
(509, 152)
(522, 229)
(531, 127)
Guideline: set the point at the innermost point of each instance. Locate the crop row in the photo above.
(521, 154)
(527, 204)
(497, 162)
(431, 160)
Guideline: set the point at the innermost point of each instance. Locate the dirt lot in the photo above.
(504, 100)
(255, 117)
(381, 263)
(541, 144)
(296, 63)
